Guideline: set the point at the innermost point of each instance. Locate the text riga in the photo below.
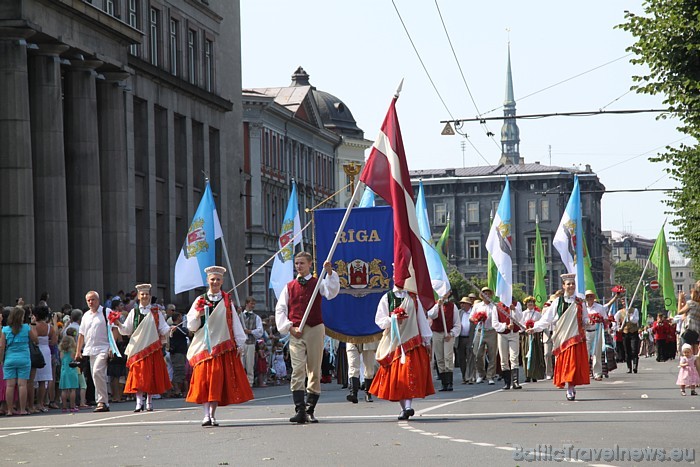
(360, 236)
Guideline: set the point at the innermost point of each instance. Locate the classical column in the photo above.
(83, 179)
(17, 254)
(50, 208)
(114, 189)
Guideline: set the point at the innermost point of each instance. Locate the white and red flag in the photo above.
(386, 173)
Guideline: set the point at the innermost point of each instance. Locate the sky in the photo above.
(359, 51)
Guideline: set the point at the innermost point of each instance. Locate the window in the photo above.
(208, 64)
(474, 249)
(440, 214)
(494, 209)
(192, 56)
(544, 210)
(627, 247)
(531, 242)
(679, 288)
(531, 210)
(154, 36)
(133, 22)
(173, 46)
(109, 7)
(473, 213)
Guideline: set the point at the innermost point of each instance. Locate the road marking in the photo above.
(488, 445)
(457, 401)
(457, 440)
(505, 448)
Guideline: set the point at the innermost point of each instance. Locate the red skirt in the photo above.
(220, 379)
(571, 366)
(409, 380)
(149, 375)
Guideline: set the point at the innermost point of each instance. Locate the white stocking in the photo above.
(205, 407)
(149, 400)
(139, 399)
(212, 410)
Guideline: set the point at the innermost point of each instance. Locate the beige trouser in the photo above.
(486, 346)
(248, 360)
(444, 352)
(595, 353)
(509, 349)
(354, 351)
(548, 345)
(98, 370)
(306, 354)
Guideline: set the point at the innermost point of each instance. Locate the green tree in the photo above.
(627, 274)
(667, 38)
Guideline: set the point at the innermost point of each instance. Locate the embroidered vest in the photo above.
(628, 326)
(249, 323)
(503, 319)
(299, 296)
(448, 309)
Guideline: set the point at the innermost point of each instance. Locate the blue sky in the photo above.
(359, 51)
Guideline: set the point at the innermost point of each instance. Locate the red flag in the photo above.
(386, 173)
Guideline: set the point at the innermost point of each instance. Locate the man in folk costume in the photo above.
(218, 376)
(465, 341)
(628, 321)
(403, 353)
(253, 329)
(508, 341)
(595, 332)
(305, 346)
(367, 352)
(531, 347)
(569, 318)
(444, 314)
(148, 373)
(485, 340)
(547, 338)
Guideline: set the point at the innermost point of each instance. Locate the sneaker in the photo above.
(491, 382)
(693, 393)
(75, 409)
(479, 380)
(549, 377)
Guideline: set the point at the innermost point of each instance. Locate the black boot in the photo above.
(515, 377)
(299, 406)
(629, 366)
(636, 364)
(450, 377)
(368, 384)
(506, 378)
(311, 401)
(443, 380)
(354, 387)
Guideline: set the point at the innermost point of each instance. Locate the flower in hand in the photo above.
(400, 313)
(595, 318)
(113, 317)
(529, 324)
(478, 317)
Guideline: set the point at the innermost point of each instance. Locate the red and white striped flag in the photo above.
(386, 173)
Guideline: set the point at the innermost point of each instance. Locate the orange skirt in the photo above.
(149, 375)
(409, 380)
(220, 379)
(571, 366)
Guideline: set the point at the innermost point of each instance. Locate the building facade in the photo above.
(291, 133)
(682, 270)
(113, 113)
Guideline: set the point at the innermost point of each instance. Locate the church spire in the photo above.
(510, 134)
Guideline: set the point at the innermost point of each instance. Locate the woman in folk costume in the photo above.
(569, 337)
(148, 373)
(404, 351)
(531, 347)
(218, 376)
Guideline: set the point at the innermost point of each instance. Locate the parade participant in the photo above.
(444, 314)
(93, 341)
(628, 323)
(218, 376)
(403, 352)
(305, 346)
(367, 352)
(547, 340)
(147, 326)
(485, 340)
(253, 329)
(569, 337)
(595, 338)
(662, 329)
(465, 341)
(691, 310)
(531, 347)
(508, 341)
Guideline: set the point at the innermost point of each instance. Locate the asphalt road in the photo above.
(474, 425)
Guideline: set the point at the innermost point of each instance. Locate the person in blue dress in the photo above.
(14, 349)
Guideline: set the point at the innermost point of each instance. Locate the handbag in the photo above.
(36, 356)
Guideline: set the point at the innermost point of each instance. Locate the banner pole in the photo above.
(230, 271)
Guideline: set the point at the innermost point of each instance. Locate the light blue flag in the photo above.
(367, 200)
(198, 252)
(500, 244)
(283, 268)
(566, 239)
(438, 275)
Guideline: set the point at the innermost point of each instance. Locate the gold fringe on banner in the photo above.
(353, 339)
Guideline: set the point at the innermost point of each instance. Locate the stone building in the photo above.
(112, 112)
(294, 132)
(627, 246)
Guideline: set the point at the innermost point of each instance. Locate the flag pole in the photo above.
(230, 271)
(330, 254)
(634, 295)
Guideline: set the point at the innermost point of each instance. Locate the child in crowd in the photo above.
(647, 342)
(261, 362)
(687, 373)
(69, 374)
(278, 364)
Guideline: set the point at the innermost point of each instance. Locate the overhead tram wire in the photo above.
(585, 113)
(415, 49)
(489, 133)
(642, 154)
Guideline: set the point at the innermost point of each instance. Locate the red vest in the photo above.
(503, 319)
(448, 309)
(299, 296)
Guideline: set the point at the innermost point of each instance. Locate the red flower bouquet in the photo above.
(618, 289)
(400, 313)
(529, 324)
(595, 318)
(113, 317)
(478, 317)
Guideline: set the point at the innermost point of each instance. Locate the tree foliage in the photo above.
(667, 37)
(627, 274)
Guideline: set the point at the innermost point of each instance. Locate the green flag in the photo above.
(540, 289)
(587, 273)
(645, 306)
(443, 244)
(659, 258)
